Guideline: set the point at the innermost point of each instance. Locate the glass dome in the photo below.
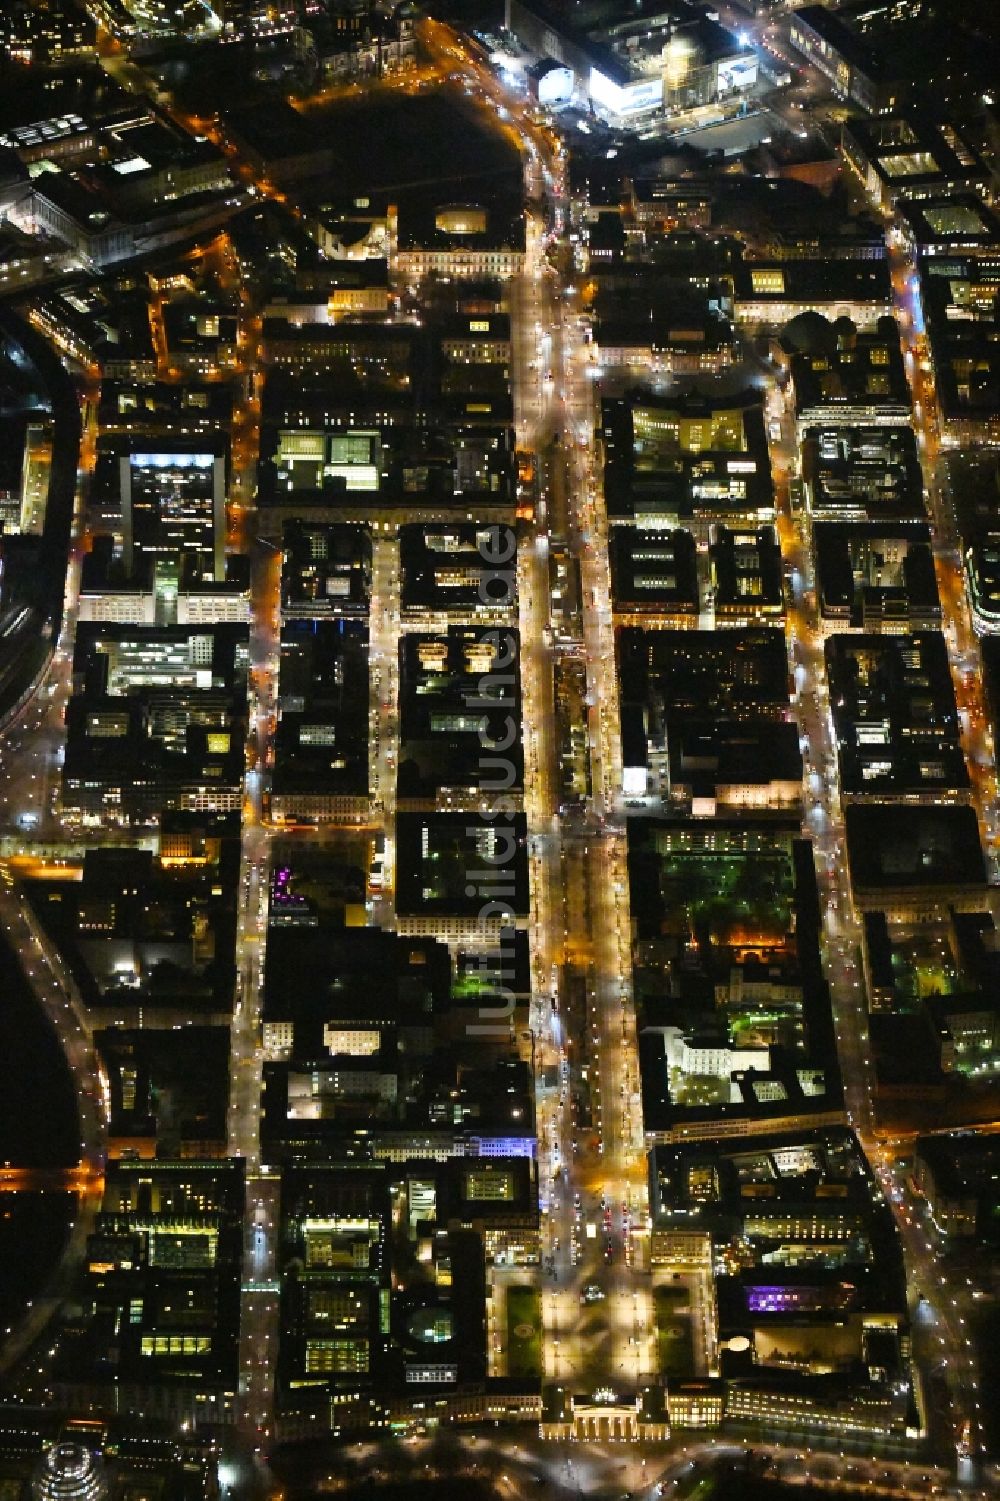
(432, 1326)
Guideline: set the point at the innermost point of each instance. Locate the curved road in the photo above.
(61, 1001)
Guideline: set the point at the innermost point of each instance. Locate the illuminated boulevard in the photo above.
(580, 917)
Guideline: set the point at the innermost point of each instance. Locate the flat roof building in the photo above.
(58, 1453)
(959, 1176)
(746, 576)
(961, 306)
(173, 505)
(326, 568)
(910, 156)
(670, 460)
(157, 719)
(955, 224)
(152, 935)
(158, 1321)
(654, 574)
(321, 761)
(768, 294)
(909, 859)
(863, 474)
(856, 70)
(893, 705)
(875, 577)
(459, 718)
(847, 376)
(457, 571)
(460, 870)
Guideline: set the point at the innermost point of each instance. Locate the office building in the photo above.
(157, 1322)
(174, 505)
(157, 718)
(857, 71)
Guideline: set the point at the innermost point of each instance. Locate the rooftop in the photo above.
(447, 682)
(440, 856)
(893, 706)
(893, 847)
(842, 40)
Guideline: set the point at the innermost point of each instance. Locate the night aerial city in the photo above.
(499, 699)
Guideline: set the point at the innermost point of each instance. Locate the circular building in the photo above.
(69, 1472)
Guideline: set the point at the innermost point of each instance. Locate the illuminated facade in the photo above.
(69, 1472)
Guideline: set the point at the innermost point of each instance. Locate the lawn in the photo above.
(524, 1331)
(674, 1340)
